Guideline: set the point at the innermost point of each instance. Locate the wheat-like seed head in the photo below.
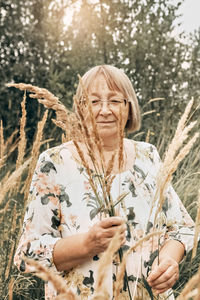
(22, 142)
(11, 180)
(172, 158)
(34, 154)
(121, 142)
(2, 146)
(48, 100)
(47, 275)
(197, 228)
(105, 262)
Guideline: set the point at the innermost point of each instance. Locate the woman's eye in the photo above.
(95, 101)
(115, 101)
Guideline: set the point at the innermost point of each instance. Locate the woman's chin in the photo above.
(106, 133)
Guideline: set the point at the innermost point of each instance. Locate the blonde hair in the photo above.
(117, 80)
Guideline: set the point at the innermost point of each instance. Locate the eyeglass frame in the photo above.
(120, 101)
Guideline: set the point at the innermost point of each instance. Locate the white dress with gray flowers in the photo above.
(60, 205)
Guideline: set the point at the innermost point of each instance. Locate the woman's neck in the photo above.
(110, 145)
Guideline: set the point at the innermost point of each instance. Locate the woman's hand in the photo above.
(100, 234)
(164, 275)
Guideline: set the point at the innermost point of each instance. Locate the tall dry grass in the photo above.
(17, 183)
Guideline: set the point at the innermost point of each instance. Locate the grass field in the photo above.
(15, 183)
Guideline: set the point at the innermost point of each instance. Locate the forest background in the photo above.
(140, 37)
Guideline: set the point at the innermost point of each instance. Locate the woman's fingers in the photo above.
(164, 276)
(166, 284)
(101, 233)
(112, 221)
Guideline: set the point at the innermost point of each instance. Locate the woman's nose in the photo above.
(105, 110)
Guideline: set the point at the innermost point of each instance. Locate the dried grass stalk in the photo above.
(10, 289)
(22, 142)
(13, 227)
(155, 99)
(172, 159)
(47, 275)
(49, 101)
(191, 284)
(120, 275)
(12, 179)
(97, 138)
(147, 136)
(197, 229)
(148, 112)
(121, 142)
(2, 146)
(34, 155)
(102, 295)
(67, 296)
(105, 262)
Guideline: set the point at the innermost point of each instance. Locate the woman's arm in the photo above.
(165, 273)
(77, 249)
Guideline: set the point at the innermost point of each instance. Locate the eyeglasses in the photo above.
(112, 103)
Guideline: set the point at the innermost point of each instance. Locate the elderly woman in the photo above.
(59, 230)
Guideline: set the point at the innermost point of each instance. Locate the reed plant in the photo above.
(15, 186)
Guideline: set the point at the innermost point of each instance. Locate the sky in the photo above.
(190, 18)
(191, 15)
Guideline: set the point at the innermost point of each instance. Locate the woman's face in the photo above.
(106, 106)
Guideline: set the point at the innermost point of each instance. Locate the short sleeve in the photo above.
(42, 218)
(179, 224)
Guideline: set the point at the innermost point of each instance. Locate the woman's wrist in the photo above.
(174, 249)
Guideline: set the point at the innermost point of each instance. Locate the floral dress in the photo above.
(62, 203)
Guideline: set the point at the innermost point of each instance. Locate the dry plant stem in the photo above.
(105, 262)
(34, 155)
(168, 170)
(90, 145)
(11, 255)
(46, 98)
(10, 289)
(85, 164)
(192, 283)
(121, 144)
(197, 229)
(97, 138)
(147, 136)
(22, 142)
(86, 136)
(2, 146)
(9, 140)
(172, 159)
(67, 296)
(148, 112)
(102, 295)
(120, 275)
(47, 275)
(12, 179)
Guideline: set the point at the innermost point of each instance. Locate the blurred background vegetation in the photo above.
(39, 46)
